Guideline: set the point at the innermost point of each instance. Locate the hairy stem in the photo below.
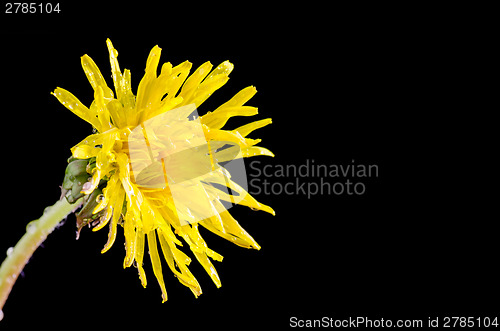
(36, 232)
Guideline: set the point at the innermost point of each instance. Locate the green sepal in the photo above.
(75, 176)
(75, 168)
(78, 172)
(76, 188)
(84, 216)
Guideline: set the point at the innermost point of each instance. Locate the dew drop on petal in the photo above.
(10, 250)
(1, 314)
(99, 198)
(86, 186)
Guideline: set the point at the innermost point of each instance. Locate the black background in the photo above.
(389, 86)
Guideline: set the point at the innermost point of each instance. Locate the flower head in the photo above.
(157, 170)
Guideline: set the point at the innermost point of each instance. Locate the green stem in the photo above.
(36, 232)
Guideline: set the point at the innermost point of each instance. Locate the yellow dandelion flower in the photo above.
(158, 171)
